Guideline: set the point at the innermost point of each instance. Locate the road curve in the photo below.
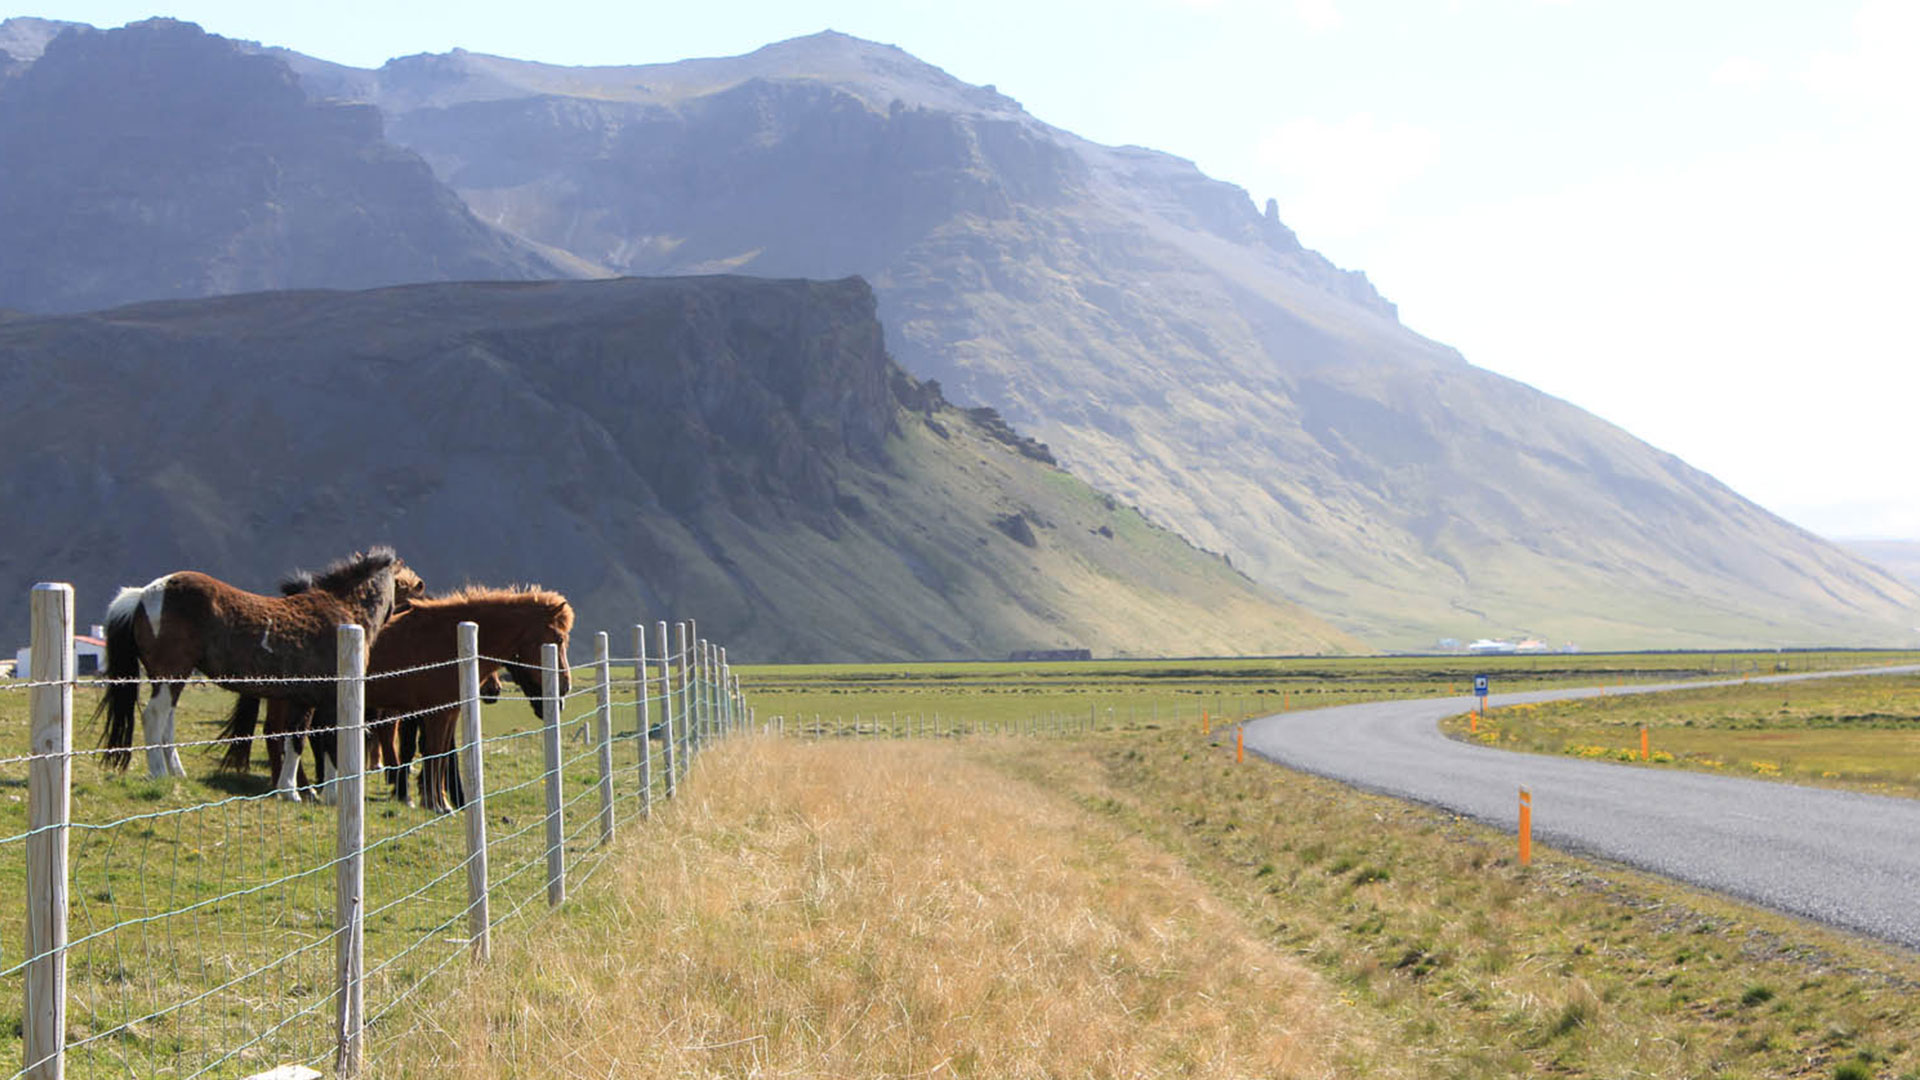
(1844, 859)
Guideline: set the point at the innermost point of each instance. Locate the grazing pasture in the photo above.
(207, 923)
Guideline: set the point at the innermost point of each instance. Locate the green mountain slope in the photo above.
(1172, 343)
(738, 450)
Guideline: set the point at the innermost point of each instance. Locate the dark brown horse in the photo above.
(187, 621)
(513, 624)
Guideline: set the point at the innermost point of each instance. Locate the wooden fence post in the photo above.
(696, 711)
(49, 809)
(556, 826)
(703, 686)
(726, 698)
(603, 716)
(710, 729)
(479, 914)
(350, 877)
(666, 709)
(683, 652)
(643, 716)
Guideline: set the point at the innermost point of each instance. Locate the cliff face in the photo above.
(728, 448)
(157, 161)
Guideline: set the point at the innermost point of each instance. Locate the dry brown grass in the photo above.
(840, 910)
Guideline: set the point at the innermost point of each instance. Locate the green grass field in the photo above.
(191, 872)
(1173, 693)
(181, 891)
(1862, 734)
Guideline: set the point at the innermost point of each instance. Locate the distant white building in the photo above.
(89, 654)
(1490, 646)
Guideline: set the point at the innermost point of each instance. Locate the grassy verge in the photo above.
(1862, 734)
(1477, 968)
(1136, 904)
(901, 909)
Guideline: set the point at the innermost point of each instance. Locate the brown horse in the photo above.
(187, 621)
(513, 623)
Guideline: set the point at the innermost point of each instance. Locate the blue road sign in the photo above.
(1480, 685)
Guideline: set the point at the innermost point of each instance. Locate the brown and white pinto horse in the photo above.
(513, 623)
(187, 621)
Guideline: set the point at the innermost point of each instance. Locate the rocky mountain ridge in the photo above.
(157, 161)
(739, 450)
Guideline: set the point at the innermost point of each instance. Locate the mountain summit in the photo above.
(160, 161)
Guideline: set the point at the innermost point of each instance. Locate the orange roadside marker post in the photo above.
(1240, 745)
(1206, 723)
(1643, 745)
(1526, 827)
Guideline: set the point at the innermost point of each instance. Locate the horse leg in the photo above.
(326, 763)
(385, 741)
(156, 723)
(323, 774)
(456, 787)
(285, 777)
(435, 742)
(409, 748)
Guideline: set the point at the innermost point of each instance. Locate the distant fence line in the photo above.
(210, 921)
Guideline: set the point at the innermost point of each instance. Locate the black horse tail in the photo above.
(241, 723)
(122, 699)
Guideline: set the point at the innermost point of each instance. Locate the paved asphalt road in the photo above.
(1848, 860)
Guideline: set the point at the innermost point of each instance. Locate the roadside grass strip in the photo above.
(847, 909)
(1473, 967)
(1861, 734)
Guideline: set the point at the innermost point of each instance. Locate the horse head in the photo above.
(527, 676)
(553, 629)
(407, 587)
(372, 584)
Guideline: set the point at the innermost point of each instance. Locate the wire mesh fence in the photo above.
(213, 927)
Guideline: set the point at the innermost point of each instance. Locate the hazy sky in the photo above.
(1697, 219)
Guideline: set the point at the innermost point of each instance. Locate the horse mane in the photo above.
(341, 573)
(559, 612)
